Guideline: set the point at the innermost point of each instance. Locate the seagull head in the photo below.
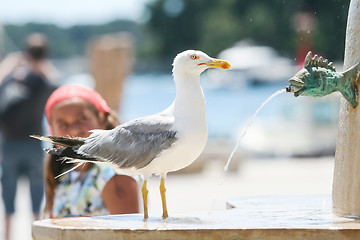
(195, 62)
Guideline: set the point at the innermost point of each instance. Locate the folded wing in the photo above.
(133, 144)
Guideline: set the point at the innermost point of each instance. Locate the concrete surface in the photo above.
(300, 217)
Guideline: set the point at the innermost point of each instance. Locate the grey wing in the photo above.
(133, 144)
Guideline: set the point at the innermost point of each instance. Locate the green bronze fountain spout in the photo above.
(319, 78)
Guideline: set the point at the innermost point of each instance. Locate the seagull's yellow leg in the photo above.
(144, 195)
(163, 198)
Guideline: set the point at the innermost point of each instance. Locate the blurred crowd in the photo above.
(29, 89)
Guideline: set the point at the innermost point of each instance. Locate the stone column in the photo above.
(111, 60)
(346, 185)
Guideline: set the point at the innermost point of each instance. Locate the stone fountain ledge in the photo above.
(278, 217)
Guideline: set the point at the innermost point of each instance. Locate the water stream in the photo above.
(249, 124)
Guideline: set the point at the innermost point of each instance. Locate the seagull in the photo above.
(156, 144)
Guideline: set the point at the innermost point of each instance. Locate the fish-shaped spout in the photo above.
(319, 78)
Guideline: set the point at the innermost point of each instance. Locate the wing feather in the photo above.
(133, 144)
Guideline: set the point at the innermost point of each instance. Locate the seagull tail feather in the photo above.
(62, 141)
(67, 152)
(71, 169)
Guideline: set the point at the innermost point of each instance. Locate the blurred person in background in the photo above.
(90, 190)
(24, 88)
(34, 58)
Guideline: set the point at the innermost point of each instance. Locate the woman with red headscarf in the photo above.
(73, 110)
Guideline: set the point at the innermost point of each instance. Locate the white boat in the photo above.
(252, 64)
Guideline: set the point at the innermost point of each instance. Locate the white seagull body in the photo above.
(156, 144)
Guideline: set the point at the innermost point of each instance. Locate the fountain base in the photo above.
(280, 217)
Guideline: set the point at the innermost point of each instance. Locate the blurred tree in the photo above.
(213, 25)
(175, 32)
(67, 42)
(208, 25)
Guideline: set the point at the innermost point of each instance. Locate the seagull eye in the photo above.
(194, 57)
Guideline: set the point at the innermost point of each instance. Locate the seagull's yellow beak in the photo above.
(217, 63)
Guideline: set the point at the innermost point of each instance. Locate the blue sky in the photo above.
(70, 12)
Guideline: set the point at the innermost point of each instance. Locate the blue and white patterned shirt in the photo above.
(80, 194)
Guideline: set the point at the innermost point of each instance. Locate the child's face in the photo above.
(74, 117)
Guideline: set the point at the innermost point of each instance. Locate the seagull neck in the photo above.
(189, 95)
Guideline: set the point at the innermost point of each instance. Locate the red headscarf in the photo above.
(75, 91)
